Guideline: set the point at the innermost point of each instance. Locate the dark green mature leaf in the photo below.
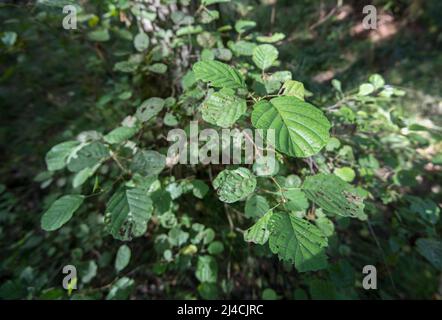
(149, 109)
(223, 108)
(148, 162)
(234, 185)
(88, 156)
(256, 206)
(60, 212)
(57, 156)
(127, 213)
(219, 74)
(296, 240)
(334, 195)
(431, 249)
(301, 130)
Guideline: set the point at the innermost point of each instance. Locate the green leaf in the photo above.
(345, 173)
(148, 163)
(159, 68)
(60, 212)
(259, 233)
(264, 56)
(88, 156)
(294, 88)
(141, 41)
(296, 240)
(56, 157)
(209, 2)
(296, 200)
(223, 108)
(334, 195)
(206, 269)
(120, 134)
(256, 206)
(219, 74)
(121, 289)
(234, 185)
(127, 213)
(200, 189)
(82, 176)
(271, 39)
(123, 257)
(242, 26)
(377, 81)
(365, 89)
(99, 35)
(216, 247)
(149, 109)
(427, 209)
(301, 130)
(431, 249)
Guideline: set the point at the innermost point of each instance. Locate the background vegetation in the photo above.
(380, 90)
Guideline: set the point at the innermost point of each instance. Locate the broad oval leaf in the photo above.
(296, 240)
(149, 109)
(256, 206)
(264, 56)
(56, 157)
(148, 163)
(123, 257)
(301, 130)
(223, 108)
(127, 213)
(120, 134)
(234, 185)
(219, 74)
(60, 212)
(334, 195)
(88, 156)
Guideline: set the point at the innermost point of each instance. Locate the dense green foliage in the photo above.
(87, 180)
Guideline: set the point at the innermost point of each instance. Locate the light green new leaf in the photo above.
(334, 195)
(209, 2)
(234, 185)
(219, 74)
(256, 206)
(206, 269)
(120, 134)
(264, 56)
(365, 89)
(259, 233)
(56, 157)
(294, 88)
(60, 212)
(345, 173)
(296, 240)
(301, 130)
(123, 257)
(127, 213)
(431, 249)
(242, 26)
(148, 163)
(88, 156)
(271, 39)
(223, 108)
